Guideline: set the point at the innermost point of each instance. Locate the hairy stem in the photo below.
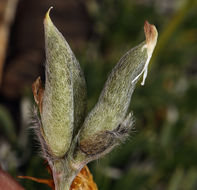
(63, 174)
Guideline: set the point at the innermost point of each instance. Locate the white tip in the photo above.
(151, 40)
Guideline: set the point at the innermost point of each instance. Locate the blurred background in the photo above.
(161, 153)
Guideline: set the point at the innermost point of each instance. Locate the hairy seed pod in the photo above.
(110, 111)
(64, 89)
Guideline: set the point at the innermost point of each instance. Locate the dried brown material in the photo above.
(84, 181)
(151, 40)
(38, 92)
(151, 36)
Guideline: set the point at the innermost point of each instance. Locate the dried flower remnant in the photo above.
(151, 40)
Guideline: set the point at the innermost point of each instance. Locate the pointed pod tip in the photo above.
(151, 35)
(47, 16)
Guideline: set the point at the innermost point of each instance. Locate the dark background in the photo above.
(161, 153)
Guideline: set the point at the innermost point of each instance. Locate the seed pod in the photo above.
(110, 111)
(64, 89)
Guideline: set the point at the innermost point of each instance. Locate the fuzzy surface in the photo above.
(57, 108)
(64, 101)
(111, 109)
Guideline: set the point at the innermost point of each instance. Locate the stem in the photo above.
(63, 174)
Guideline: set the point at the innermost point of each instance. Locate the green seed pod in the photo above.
(109, 113)
(64, 96)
